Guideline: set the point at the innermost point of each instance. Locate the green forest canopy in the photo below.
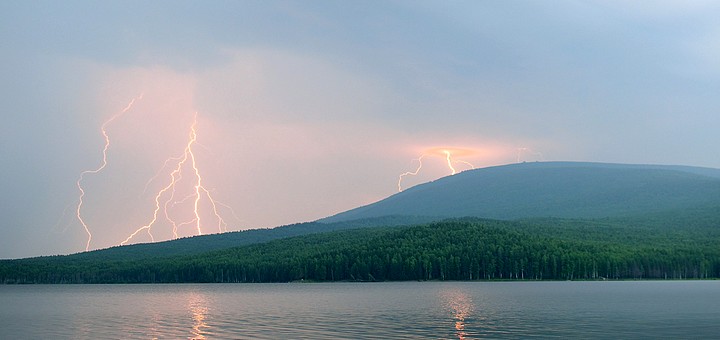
(651, 247)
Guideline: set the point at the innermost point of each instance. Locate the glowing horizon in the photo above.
(446, 153)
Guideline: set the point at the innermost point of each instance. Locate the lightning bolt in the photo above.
(103, 129)
(446, 153)
(472, 167)
(165, 197)
(410, 173)
(158, 173)
(450, 161)
(232, 211)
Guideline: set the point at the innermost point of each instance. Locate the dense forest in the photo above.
(457, 249)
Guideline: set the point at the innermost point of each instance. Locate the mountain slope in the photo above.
(552, 189)
(571, 220)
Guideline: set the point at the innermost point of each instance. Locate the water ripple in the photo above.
(414, 310)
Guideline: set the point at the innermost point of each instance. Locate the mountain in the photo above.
(550, 220)
(552, 189)
(557, 189)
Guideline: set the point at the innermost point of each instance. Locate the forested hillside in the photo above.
(465, 249)
(552, 189)
(566, 221)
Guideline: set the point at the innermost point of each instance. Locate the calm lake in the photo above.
(418, 310)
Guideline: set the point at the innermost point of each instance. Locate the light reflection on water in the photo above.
(460, 305)
(418, 310)
(198, 306)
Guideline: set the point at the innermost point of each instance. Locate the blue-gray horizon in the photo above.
(307, 109)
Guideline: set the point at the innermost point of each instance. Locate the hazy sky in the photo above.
(309, 108)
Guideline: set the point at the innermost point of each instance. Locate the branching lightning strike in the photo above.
(410, 173)
(446, 153)
(450, 161)
(165, 197)
(103, 129)
(184, 168)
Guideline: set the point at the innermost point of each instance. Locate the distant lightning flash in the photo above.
(410, 173)
(450, 161)
(103, 129)
(165, 198)
(439, 152)
(448, 157)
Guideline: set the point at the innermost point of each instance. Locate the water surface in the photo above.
(419, 310)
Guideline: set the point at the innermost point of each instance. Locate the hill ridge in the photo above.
(551, 189)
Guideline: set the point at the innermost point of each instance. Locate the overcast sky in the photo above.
(309, 108)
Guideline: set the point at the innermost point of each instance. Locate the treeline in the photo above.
(468, 249)
(211, 242)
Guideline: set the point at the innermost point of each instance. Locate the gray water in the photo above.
(417, 310)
